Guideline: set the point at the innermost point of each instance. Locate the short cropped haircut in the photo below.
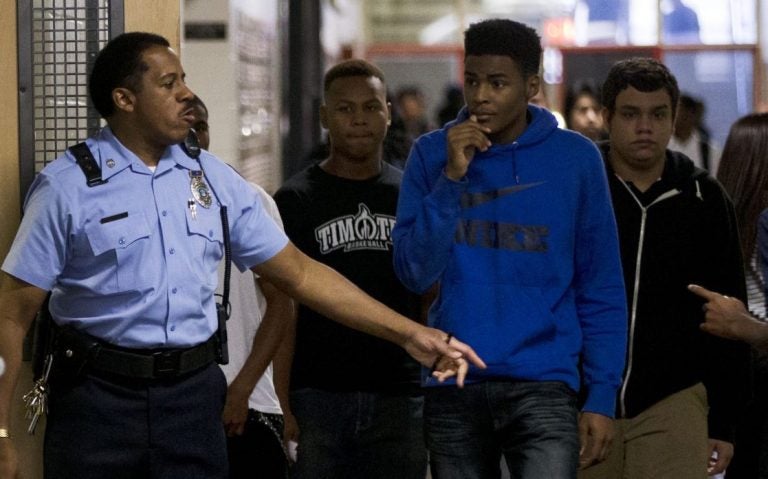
(508, 38)
(120, 65)
(351, 68)
(645, 75)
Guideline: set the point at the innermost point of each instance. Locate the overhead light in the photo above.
(439, 30)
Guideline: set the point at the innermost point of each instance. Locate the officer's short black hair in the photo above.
(120, 64)
(505, 37)
(642, 73)
(351, 68)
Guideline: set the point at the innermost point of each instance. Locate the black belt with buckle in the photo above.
(134, 363)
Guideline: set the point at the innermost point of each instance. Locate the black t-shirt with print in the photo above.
(347, 224)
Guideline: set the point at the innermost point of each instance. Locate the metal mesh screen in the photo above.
(58, 42)
(66, 35)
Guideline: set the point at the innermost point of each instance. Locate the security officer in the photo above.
(130, 258)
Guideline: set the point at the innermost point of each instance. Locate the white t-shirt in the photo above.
(248, 307)
(692, 150)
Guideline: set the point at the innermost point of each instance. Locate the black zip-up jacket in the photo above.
(681, 230)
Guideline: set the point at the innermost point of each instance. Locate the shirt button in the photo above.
(121, 241)
(174, 290)
(210, 233)
(165, 213)
(172, 251)
(173, 328)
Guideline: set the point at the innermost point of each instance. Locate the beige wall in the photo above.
(159, 16)
(29, 446)
(9, 133)
(156, 16)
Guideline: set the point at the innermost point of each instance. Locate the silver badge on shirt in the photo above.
(200, 191)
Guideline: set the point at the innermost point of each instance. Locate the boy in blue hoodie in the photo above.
(512, 217)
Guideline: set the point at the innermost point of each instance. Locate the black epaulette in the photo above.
(87, 163)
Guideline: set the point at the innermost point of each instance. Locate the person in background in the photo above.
(510, 216)
(130, 260)
(200, 124)
(411, 108)
(541, 99)
(356, 399)
(682, 390)
(453, 101)
(743, 173)
(691, 138)
(583, 111)
(728, 317)
(681, 23)
(253, 411)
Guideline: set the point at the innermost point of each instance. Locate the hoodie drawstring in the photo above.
(514, 163)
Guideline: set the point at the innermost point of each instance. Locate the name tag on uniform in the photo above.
(200, 191)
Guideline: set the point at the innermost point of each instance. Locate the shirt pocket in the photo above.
(121, 241)
(206, 240)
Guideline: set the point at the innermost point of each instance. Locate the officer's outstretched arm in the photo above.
(19, 303)
(328, 292)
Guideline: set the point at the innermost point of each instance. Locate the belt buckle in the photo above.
(166, 363)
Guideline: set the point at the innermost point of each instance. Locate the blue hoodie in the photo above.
(526, 253)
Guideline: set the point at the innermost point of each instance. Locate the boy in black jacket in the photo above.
(681, 388)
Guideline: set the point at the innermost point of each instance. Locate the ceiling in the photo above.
(442, 21)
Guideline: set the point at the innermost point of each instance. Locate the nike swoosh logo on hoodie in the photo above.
(470, 200)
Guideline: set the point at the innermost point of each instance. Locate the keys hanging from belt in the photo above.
(36, 400)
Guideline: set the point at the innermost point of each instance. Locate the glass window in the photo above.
(616, 22)
(723, 80)
(709, 21)
(681, 22)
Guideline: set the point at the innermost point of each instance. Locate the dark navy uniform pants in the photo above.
(107, 426)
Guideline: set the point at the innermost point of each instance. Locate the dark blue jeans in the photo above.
(533, 424)
(358, 434)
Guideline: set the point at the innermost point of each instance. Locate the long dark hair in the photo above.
(583, 88)
(743, 173)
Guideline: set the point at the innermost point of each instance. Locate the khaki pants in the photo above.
(666, 441)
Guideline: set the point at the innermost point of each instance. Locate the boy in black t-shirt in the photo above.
(355, 398)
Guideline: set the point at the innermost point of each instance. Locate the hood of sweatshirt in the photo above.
(679, 171)
(541, 124)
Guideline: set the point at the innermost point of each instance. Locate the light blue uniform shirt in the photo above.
(128, 261)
